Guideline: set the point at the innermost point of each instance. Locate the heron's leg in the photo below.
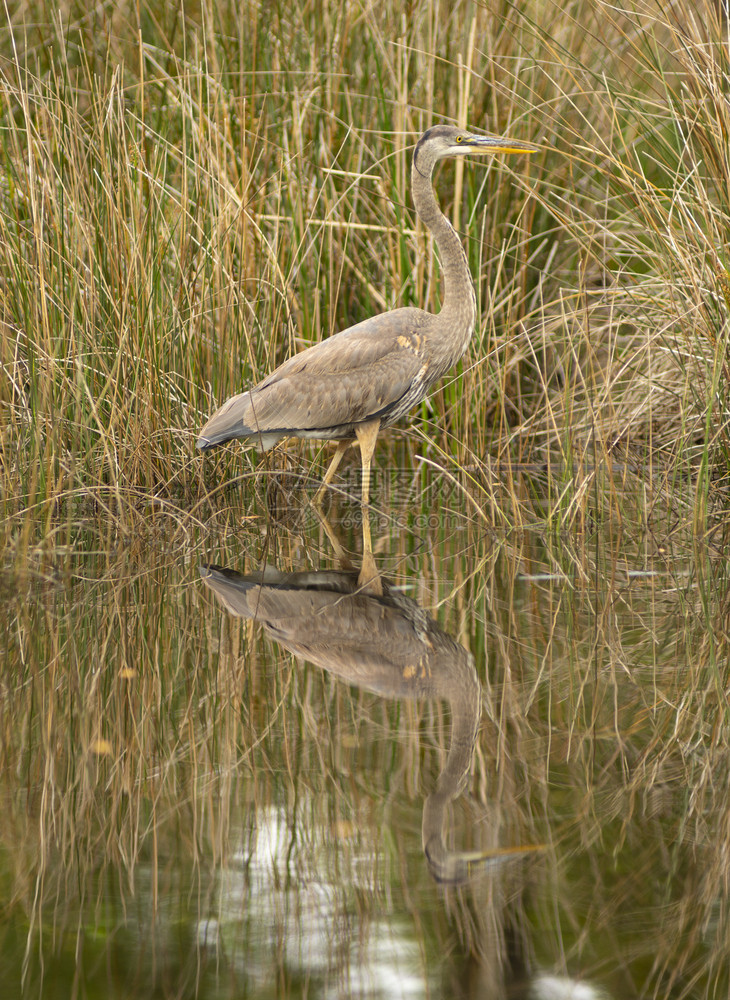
(330, 473)
(369, 579)
(331, 470)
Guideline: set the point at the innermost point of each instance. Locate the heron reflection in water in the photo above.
(348, 386)
(388, 645)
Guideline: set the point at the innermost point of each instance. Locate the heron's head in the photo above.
(442, 141)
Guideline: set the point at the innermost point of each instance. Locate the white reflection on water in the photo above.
(282, 908)
(545, 987)
(388, 969)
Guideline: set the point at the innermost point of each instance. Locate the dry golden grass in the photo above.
(180, 213)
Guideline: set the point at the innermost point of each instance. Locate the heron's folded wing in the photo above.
(351, 377)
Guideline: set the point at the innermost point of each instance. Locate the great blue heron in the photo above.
(366, 377)
(388, 645)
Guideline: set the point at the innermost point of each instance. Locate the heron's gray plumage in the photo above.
(365, 375)
(379, 368)
(387, 644)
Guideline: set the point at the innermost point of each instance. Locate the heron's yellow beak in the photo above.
(493, 144)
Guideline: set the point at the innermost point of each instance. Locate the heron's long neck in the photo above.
(459, 308)
(466, 709)
(465, 700)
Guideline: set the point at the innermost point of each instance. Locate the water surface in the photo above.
(506, 778)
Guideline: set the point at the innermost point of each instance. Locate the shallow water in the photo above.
(506, 778)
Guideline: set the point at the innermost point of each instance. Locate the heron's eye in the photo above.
(460, 138)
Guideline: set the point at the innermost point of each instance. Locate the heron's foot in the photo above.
(369, 579)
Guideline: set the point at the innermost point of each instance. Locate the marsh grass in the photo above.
(186, 204)
(187, 198)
